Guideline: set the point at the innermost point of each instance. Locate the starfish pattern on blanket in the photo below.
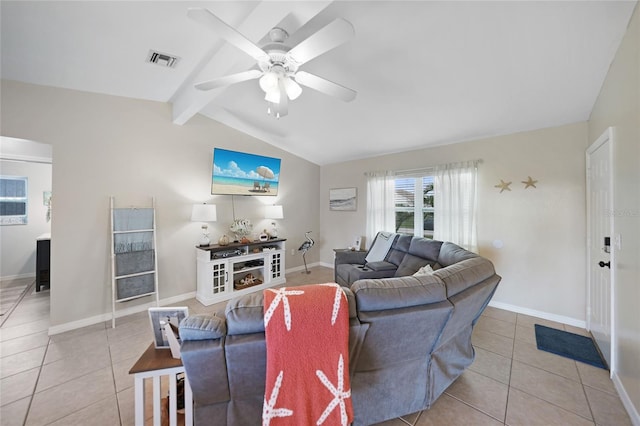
(339, 395)
(336, 301)
(281, 295)
(268, 409)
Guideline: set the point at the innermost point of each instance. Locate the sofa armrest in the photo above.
(462, 275)
(398, 292)
(350, 257)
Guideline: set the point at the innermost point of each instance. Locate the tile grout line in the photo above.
(6, 316)
(35, 385)
(113, 376)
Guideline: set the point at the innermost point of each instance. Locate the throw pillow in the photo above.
(425, 270)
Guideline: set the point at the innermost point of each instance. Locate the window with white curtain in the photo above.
(438, 202)
(13, 200)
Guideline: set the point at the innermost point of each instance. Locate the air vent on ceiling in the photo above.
(162, 59)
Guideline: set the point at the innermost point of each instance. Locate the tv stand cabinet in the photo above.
(224, 272)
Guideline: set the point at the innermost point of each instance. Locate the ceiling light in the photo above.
(269, 81)
(292, 88)
(273, 96)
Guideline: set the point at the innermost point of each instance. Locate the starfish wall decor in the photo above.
(529, 182)
(504, 186)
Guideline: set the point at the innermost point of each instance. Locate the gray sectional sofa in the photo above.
(410, 337)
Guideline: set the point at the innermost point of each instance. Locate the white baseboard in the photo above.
(626, 400)
(18, 277)
(326, 265)
(539, 314)
(61, 328)
(301, 268)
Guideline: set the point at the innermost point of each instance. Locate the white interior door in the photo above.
(600, 314)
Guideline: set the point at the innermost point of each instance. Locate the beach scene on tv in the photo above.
(239, 173)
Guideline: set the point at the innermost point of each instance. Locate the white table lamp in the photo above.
(273, 212)
(204, 213)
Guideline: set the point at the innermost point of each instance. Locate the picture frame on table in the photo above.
(160, 317)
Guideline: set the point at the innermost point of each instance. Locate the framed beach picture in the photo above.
(343, 199)
(159, 317)
(241, 173)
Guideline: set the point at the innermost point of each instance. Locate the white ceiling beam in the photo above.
(188, 101)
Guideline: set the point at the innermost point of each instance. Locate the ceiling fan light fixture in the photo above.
(292, 88)
(269, 82)
(273, 95)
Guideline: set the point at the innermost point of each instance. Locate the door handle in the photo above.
(603, 264)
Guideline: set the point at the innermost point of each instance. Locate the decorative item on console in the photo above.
(241, 228)
(224, 240)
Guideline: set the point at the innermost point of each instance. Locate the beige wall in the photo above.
(542, 261)
(106, 145)
(618, 105)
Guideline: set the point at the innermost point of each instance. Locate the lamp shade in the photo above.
(273, 212)
(203, 213)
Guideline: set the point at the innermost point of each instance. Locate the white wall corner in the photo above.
(626, 400)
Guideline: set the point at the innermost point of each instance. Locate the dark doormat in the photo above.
(569, 345)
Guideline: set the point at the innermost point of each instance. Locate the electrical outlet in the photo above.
(293, 252)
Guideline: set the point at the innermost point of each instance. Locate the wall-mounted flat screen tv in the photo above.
(239, 173)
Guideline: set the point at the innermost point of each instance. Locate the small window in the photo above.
(13, 200)
(414, 205)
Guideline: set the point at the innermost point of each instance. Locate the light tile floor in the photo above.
(81, 377)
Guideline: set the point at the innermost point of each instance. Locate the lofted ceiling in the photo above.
(427, 72)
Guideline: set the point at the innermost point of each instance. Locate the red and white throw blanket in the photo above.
(307, 335)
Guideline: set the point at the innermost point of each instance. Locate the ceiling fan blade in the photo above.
(217, 25)
(331, 36)
(228, 80)
(325, 86)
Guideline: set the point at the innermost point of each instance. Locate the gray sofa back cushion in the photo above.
(410, 265)
(421, 252)
(465, 274)
(451, 253)
(399, 248)
(400, 292)
(202, 327)
(245, 314)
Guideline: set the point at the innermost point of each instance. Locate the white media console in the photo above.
(227, 271)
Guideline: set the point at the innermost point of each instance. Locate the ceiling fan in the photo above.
(278, 64)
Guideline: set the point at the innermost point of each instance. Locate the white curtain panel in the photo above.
(380, 203)
(455, 204)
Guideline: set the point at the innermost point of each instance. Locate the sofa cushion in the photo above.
(410, 264)
(245, 314)
(425, 270)
(425, 248)
(381, 266)
(202, 327)
(399, 292)
(465, 274)
(399, 249)
(451, 253)
(348, 274)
